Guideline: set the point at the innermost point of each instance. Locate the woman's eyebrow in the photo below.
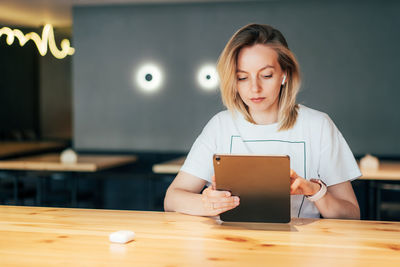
(263, 68)
(241, 71)
(267, 67)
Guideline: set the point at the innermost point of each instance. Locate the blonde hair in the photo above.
(250, 35)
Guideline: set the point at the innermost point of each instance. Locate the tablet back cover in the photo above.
(261, 182)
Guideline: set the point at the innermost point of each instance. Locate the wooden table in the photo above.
(51, 163)
(388, 171)
(169, 167)
(33, 236)
(9, 149)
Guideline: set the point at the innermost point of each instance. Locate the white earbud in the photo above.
(284, 79)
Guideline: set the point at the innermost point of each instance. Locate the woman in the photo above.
(259, 83)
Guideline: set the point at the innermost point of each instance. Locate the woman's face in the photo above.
(259, 78)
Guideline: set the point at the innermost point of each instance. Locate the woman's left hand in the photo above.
(301, 186)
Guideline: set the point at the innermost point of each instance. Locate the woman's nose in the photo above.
(255, 86)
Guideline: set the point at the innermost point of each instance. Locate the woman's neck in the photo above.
(265, 117)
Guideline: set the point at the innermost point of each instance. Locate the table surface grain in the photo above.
(34, 236)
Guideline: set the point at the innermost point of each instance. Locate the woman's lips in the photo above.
(257, 99)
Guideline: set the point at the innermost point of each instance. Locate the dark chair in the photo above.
(388, 201)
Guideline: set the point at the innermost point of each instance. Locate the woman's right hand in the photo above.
(216, 202)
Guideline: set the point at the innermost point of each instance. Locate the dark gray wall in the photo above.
(56, 92)
(348, 53)
(19, 86)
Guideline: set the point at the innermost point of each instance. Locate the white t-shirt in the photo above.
(316, 148)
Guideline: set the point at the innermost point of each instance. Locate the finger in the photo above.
(296, 183)
(225, 207)
(295, 188)
(222, 210)
(206, 192)
(231, 202)
(209, 190)
(212, 196)
(215, 208)
(217, 194)
(221, 200)
(224, 200)
(293, 174)
(213, 183)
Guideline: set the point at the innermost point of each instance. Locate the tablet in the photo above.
(262, 183)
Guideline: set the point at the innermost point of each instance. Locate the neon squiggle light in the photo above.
(41, 43)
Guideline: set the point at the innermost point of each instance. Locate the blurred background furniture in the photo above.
(10, 149)
(45, 166)
(384, 190)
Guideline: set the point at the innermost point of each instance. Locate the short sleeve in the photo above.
(199, 160)
(337, 163)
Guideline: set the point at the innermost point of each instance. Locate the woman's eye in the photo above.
(267, 76)
(241, 78)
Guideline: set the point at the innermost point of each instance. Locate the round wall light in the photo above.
(207, 77)
(149, 77)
